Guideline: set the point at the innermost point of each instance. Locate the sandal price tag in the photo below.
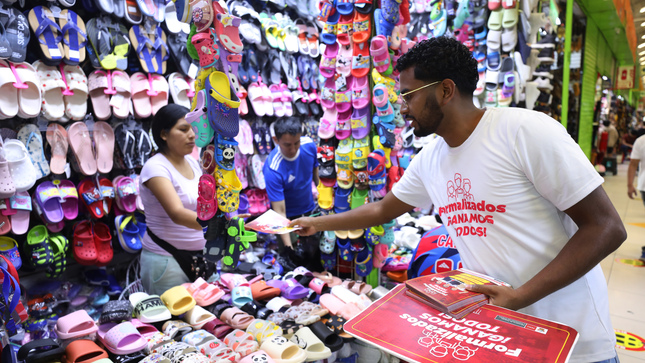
(54, 53)
(116, 100)
(192, 71)
(73, 54)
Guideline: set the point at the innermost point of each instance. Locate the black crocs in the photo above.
(39, 351)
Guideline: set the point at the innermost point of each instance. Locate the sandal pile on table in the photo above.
(297, 317)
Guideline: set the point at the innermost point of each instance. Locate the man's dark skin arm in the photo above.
(600, 232)
(365, 216)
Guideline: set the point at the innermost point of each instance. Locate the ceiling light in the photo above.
(643, 24)
(643, 10)
(641, 45)
(641, 53)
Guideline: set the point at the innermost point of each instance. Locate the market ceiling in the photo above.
(616, 23)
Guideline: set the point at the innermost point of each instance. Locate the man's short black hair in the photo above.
(440, 58)
(290, 125)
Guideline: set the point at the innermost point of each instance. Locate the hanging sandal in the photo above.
(49, 34)
(38, 248)
(238, 241)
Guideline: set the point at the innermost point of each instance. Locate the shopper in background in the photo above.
(534, 220)
(612, 137)
(288, 172)
(169, 185)
(626, 144)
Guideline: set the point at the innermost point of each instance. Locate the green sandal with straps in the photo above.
(38, 248)
(238, 241)
(59, 245)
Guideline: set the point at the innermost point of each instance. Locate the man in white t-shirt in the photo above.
(519, 198)
(637, 163)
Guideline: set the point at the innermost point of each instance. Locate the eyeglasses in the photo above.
(404, 95)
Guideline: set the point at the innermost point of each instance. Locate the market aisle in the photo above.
(626, 283)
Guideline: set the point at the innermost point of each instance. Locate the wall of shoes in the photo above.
(512, 41)
(84, 79)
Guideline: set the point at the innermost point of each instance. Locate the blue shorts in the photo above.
(612, 360)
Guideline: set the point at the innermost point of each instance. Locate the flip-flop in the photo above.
(17, 33)
(178, 300)
(57, 139)
(101, 42)
(185, 64)
(143, 47)
(5, 46)
(103, 136)
(160, 50)
(119, 8)
(81, 145)
(30, 136)
(74, 37)
(49, 34)
(120, 44)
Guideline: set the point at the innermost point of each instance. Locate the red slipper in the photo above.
(91, 198)
(84, 246)
(103, 243)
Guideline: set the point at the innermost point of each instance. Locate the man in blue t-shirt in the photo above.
(289, 171)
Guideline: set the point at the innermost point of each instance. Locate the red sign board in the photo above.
(415, 332)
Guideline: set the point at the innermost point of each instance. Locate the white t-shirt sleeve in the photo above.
(410, 189)
(638, 150)
(554, 163)
(154, 167)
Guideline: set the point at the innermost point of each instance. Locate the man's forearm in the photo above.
(631, 173)
(365, 216)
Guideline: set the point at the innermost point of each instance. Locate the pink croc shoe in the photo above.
(206, 203)
(380, 54)
(226, 27)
